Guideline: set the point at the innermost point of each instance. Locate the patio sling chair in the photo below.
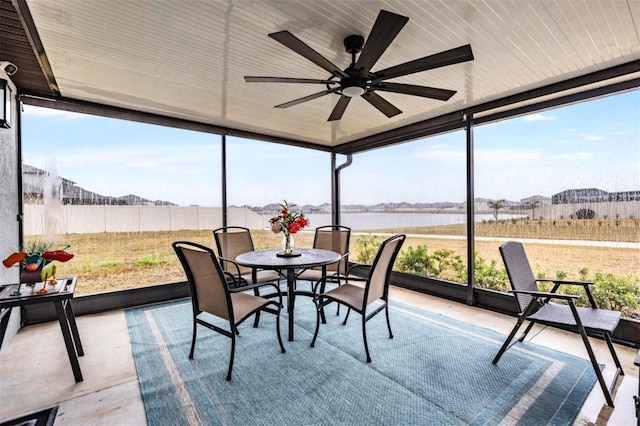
(210, 294)
(232, 241)
(334, 238)
(374, 293)
(537, 307)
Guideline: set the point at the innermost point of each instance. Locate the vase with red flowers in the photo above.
(289, 222)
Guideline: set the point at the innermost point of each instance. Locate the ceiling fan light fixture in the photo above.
(352, 87)
(352, 91)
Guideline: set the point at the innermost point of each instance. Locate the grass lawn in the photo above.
(113, 261)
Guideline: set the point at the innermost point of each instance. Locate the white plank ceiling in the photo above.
(187, 58)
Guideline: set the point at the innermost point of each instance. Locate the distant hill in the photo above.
(400, 207)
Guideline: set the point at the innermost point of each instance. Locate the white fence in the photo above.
(70, 219)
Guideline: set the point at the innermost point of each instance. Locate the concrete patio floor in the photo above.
(35, 371)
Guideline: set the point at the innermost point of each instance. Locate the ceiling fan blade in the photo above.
(338, 110)
(381, 104)
(442, 59)
(298, 46)
(384, 31)
(253, 79)
(306, 98)
(411, 89)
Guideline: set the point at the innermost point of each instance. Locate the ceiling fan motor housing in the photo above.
(353, 86)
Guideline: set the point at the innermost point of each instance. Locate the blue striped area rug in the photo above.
(435, 371)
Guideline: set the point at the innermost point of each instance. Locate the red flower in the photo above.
(293, 227)
(288, 221)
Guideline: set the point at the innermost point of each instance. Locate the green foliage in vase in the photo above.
(36, 246)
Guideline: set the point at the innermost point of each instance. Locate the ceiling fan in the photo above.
(358, 79)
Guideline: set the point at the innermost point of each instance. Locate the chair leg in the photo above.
(386, 308)
(364, 336)
(607, 339)
(507, 343)
(596, 367)
(278, 330)
(322, 316)
(526, 331)
(315, 334)
(339, 304)
(322, 290)
(233, 352)
(193, 339)
(346, 317)
(256, 321)
(592, 357)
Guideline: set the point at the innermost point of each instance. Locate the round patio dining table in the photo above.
(303, 258)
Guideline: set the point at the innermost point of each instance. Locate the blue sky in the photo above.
(591, 144)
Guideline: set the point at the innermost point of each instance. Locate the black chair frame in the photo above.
(541, 300)
(226, 262)
(342, 268)
(233, 325)
(323, 300)
(230, 267)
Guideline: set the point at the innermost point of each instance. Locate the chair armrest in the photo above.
(230, 279)
(333, 278)
(278, 291)
(237, 280)
(235, 265)
(541, 298)
(344, 258)
(584, 284)
(544, 294)
(356, 266)
(345, 255)
(566, 282)
(324, 271)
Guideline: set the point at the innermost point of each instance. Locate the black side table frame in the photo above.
(62, 303)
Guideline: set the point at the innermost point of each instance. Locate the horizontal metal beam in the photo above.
(440, 124)
(556, 88)
(562, 101)
(84, 107)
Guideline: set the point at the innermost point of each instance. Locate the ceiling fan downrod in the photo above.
(354, 85)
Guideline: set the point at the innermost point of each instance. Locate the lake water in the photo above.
(395, 220)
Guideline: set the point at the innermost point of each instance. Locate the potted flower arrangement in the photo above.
(288, 222)
(36, 264)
